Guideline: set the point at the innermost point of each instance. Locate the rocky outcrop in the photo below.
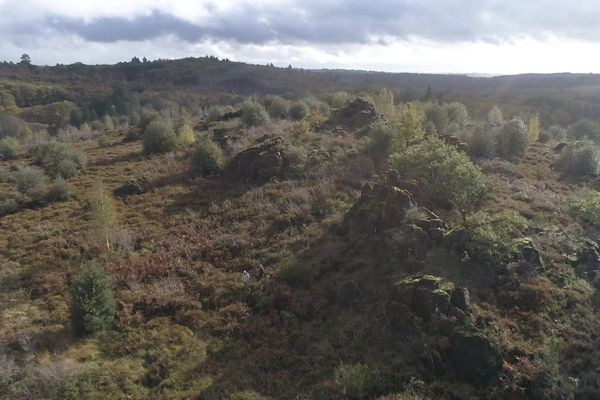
(379, 207)
(133, 187)
(268, 159)
(427, 296)
(587, 263)
(475, 357)
(357, 114)
(529, 259)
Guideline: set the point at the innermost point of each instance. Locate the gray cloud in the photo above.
(353, 21)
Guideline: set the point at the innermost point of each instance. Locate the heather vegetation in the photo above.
(399, 243)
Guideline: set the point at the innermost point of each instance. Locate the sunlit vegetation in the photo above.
(403, 238)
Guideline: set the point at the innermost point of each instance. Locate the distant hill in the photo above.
(210, 75)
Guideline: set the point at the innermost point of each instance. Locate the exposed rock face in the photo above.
(231, 115)
(428, 295)
(475, 358)
(460, 298)
(529, 259)
(133, 187)
(357, 114)
(382, 210)
(267, 159)
(587, 264)
(379, 207)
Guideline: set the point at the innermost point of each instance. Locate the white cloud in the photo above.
(490, 36)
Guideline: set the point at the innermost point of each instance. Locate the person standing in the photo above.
(245, 278)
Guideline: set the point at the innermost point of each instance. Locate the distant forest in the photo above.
(559, 99)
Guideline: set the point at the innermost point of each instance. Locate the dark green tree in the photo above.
(25, 59)
(93, 306)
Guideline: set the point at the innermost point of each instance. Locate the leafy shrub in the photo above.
(8, 205)
(97, 126)
(207, 157)
(8, 147)
(492, 239)
(254, 114)
(381, 134)
(355, 381)
(458, 115)
(444, 173)
(59, 159)
(580, 158)
(214, 113)
(277, 107)
(340, 99)
(586, 206)
(103, 215)
(59, 190)
(186, 136)
(31, 182)
(513, 139)
(134, 119)
(147, 117)
(534, 128)
(93, 306)
(104, 141)
(584, 129)
(131, 135)
(554, 132)
(159, 137)
(108, 122)
(298, 111)
(438, 116)
(482, 143)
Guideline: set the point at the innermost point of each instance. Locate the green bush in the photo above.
(8, 204)
(513, 139)
(381, 134)
(492, 239)
(580, 158)
(134, 119)
(146, 118)
(159, 137)
(59, 158)
(93, 306)
(438, 116)
(31, 182)
(554, 132)
(584, 129)
(207, 157)
(104, 141)
(254, 114)
(186, 136)
(443, 173)
(298, 111)
(214, 113)
(340, 99)
(586, 206)
(59, 190)
(277, 107)
(482, 143)
(355, 381)
(9, 146)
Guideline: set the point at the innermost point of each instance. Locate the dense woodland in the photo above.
(407, 236)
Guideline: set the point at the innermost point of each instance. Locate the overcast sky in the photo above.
(455, 36)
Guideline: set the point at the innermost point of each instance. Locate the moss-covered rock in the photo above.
(379, 207)
(425, 295)
(270, 158)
